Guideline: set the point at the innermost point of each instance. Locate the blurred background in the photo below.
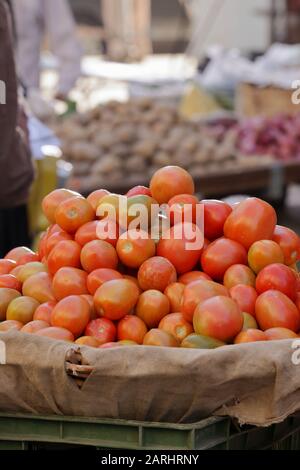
(127, 86)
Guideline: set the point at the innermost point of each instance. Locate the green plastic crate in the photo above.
(41, 432)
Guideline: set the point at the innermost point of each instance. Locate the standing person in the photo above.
(16, 170)
(36, 19)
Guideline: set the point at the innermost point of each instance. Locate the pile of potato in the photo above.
(134, 139)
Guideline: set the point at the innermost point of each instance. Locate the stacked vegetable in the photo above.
(106, 282)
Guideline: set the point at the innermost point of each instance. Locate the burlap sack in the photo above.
(257, 383)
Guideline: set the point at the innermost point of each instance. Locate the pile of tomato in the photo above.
(241, 285)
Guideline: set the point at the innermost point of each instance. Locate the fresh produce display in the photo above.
(278, 136)
(136, 138)
(104, 282)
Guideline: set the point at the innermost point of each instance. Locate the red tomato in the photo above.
(100, 276)
(139, 191)
(69, 281)
(274, 309)
(21, 255)
(86, 233)
(169, 182)
(106, 230)
(148, 278)
(250, 336)
(135, 247)
(116, 299)
(174, 292)
(215, 215)
(263, 253)
(54, 239)
(182, 245)
(34, 326)
(289, 242)
(198, 292)
(10, 325)
(56, 333)
(73, 213)
(183, 208)
(102, 329)
(110, 345)
(7, 265)
(252, 220)
(277, 277)
(71, 313)
(64, 254)
(245, 297)
(10, 281)
(44, 311)
(98, 254)
(192, 276)
(132, 328)
(239, 274)
(219, 317)
(220, 255)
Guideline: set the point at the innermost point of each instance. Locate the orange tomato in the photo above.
(7, 265)
(274, 309)
(22, 309)
(192, 276)
(30, 269)
(182, 245)
(289, 242)
(54, 239)
(220, 255)
(98, 254)
(198, 292)
(252, 220)
(10, 325)
(135, 247)
(239, 274)
(69, 281)
(64, 254)
(156, 337)
(56, 333)
(176, 325)
(90, 301)
(139, 191)
(6, 297)
(11, 282)
(73, 213)
(39, 287)
(95, 197)
(86, 233)
(219, 317)
(147, 274)
(53, 200)
(106, 230)
(100, 276)
(275, 334)
(21, 255)
(174, 292)
(34, 326)
(250, 336)
(152, 306)
(71, 313)
(263, 253)
(245, 297)
(131, 328)
(171, 181)
(116, 299)
(44, 311)
(88, 341)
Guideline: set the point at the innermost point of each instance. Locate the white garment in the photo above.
(34, 19)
